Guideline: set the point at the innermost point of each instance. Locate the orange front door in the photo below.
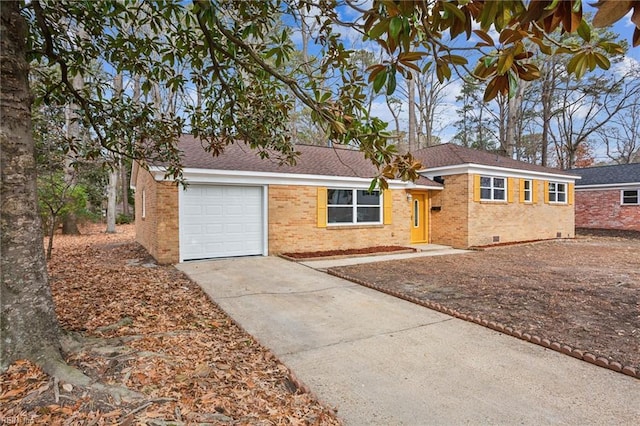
(419, 218)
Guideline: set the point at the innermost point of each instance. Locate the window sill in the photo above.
(335, 226)
(493, 202)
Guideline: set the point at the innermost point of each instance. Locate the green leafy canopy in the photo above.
(226, 66)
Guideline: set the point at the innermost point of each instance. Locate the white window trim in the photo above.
(493, 187)
(556, 192)
(527, 191)
(622, 191)
(354, 206)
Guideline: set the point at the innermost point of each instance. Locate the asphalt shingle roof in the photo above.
(608, 175)
(340, 161)
(313, 160)
(449, 154)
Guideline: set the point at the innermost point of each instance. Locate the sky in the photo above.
(445, 119)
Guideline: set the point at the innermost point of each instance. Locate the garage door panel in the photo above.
(214, 210)
(221, 221)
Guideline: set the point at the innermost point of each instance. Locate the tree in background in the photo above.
(224, 49)
(621, 135)
(475, 127)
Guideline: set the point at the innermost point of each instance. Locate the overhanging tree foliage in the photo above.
(226, 54)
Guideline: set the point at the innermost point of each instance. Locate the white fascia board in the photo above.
(236, 177)
(611, 186)
(459, 169)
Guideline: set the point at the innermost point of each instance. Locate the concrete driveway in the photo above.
(381, 360)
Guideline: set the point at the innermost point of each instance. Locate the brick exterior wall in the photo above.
(449, 225)
(158, 231)
(602, 209)
(293, 219)
(293, 225)
(518, 221)
(463, 222)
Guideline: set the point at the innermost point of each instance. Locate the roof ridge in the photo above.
(606, 165)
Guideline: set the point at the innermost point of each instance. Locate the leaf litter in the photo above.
(130, 322)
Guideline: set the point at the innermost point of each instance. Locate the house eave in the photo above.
(609, 186)
(237, 177)
(495, 171)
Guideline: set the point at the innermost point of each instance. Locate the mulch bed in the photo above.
(579, 296)
(348, 252)
(153, 331)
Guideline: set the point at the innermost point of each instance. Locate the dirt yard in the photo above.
(584, 293)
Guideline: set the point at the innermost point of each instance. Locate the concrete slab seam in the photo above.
(553, 345)
(361, 339)
(286, 293)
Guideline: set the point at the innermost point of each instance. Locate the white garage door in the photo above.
(221, 221)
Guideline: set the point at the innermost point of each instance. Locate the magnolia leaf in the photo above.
(602, 61)
(563, 49)
(443, 72)
(553, 5)
(391, 83)
(456, 59)
(484, 36)
(338, 127)
(509, 36)
(610, 12)
(378, 30)
(572, 21)
(591, 61)
(584, 31)
(411, 56)
(375, 70)
(452, 9)
(395, 26)
(492, 89)
(578, 65)
(380, 80)
(504, 62)
(411, 65)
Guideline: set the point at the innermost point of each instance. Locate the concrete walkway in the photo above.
(423, 250)
(384, 361)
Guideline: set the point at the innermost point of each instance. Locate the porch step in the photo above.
(429, 247)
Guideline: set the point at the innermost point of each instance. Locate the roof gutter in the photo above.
(432, 172)
(238, 177)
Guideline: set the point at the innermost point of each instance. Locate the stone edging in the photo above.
(556, 346)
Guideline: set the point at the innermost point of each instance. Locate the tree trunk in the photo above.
(28, 325)
(52, 232)
(547, 96)
(112, 190)
(124, 180)
(514, 116)
(70, 221)
(411, 141)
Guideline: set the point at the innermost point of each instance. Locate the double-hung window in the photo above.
(346, 206)
(557, 192)
(526, 191)
(493, 188)
(631, 197)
